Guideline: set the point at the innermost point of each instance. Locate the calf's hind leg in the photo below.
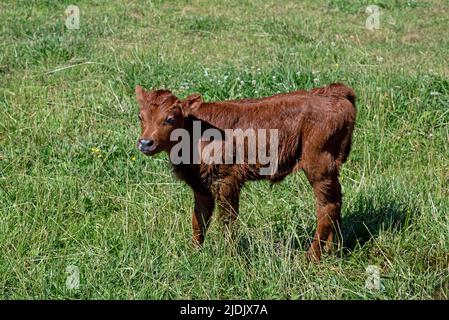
(322, 174)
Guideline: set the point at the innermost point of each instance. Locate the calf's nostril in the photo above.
(146, 143)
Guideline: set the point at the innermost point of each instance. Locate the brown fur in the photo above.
(315, 130)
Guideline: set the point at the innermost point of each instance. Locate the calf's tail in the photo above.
(336, 90)
(340, 90)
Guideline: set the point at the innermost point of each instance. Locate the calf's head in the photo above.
(161, 112)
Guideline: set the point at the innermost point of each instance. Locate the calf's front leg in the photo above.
(228, 197)
(204, 206)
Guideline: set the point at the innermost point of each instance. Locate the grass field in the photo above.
(74, 191)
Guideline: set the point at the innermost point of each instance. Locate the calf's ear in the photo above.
(191, 103)
(140, 94)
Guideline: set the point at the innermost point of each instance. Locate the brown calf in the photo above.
(314, 130)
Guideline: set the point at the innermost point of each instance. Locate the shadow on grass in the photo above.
(369, 217)
(362, 222)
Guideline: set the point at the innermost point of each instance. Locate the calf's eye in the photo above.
(170, 121)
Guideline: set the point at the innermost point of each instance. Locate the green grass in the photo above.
(125, 222)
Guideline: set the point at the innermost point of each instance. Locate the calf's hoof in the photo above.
(197, 243)
(314, 255)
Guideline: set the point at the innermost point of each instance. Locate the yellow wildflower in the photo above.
(96, 152)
